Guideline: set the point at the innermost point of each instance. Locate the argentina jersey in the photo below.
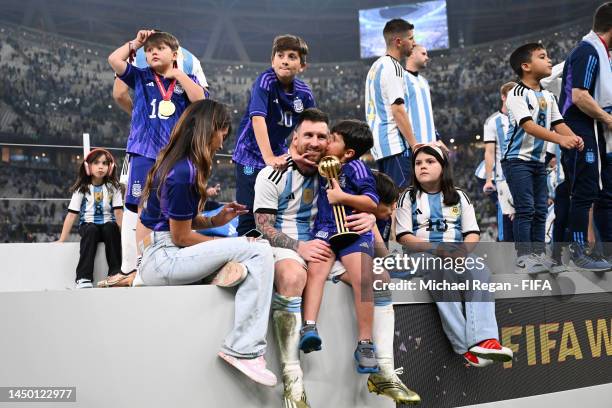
(385, 86)
(418, 106)
(97, 205)
(290, 196)
(150, 130)
(526, 104)
(281, 111)
(559, 175)
(495, 128)
(428, 218)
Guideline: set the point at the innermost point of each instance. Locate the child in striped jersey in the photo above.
(533, 115)
(356, 191)
(97, 202)
(437, 221)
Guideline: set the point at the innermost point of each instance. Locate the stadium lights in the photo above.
(477, 137)
(452, 140)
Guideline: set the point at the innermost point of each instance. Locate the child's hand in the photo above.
(335, 193)
(213, 191)
(572, 142)
(303, 160)
(141, 37)
(488, 187)
(278, 162)
(173, 73)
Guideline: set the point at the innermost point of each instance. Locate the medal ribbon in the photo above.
(166, 95)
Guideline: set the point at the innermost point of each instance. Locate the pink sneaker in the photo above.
(231, 274)
(254, 368)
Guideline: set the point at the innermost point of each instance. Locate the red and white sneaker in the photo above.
(254, 368)
(492, 350)
(476, 361)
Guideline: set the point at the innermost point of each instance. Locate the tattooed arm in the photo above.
(265, 224)
(315, 250)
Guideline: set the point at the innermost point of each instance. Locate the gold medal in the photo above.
(166, 108)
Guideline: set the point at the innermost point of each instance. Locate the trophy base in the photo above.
(342, 240)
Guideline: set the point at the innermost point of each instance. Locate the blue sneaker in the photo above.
(309, 338)
(365, 355)
(583, 259)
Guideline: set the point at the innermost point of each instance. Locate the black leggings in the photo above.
(91, 234)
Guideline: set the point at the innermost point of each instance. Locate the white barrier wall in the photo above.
(156, 347)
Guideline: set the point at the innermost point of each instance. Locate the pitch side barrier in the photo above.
(156, 346)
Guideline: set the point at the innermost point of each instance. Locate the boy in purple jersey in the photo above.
(277, 98)
(356, 190)
(161, 94)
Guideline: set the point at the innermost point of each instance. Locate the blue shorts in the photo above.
(364, 244)
(137, 177)
(398, 167)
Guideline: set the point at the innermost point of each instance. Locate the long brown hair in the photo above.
(83, 180)
(191, 138)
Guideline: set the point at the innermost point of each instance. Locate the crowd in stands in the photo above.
(54, 89)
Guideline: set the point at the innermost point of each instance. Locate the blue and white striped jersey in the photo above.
(418, 106)
(526, 104)
(291, 196)
(428, 218)
(385, 86)
(495, 129)
(98, 205)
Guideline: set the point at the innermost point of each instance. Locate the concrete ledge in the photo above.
(157, 346)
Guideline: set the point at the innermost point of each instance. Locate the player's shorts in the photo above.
(281, 254)
(137, 177)
(504, 197)
(364, 244)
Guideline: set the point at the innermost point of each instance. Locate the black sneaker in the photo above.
(365, 356)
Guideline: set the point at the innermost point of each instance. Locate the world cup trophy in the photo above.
(329, 167)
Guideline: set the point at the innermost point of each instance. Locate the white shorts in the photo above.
(281, 254)
(504, 197)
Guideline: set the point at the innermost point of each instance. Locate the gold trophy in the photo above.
(329, 167)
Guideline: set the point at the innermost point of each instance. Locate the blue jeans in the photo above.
(164, 263)
(464, 328)
(527, 183)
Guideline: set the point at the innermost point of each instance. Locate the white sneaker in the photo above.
(83, 284)
(529, 264)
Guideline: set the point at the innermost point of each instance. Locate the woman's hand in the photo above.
(228, 213)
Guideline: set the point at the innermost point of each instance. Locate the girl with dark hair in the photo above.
(436, 221)
(96, 201)
(174, 254)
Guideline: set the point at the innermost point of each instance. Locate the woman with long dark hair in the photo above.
(174, 254)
